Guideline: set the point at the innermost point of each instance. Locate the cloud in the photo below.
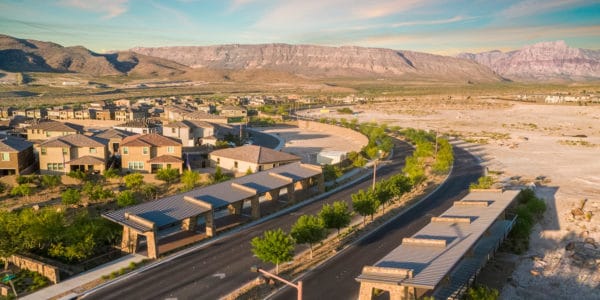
(237, 4)
(533, 7)
(110, 8)
(433, 22)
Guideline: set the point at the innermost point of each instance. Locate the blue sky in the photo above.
(435, 26)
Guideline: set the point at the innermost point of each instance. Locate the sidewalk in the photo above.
(83, 278)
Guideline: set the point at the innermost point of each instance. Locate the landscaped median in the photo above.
(424, 171)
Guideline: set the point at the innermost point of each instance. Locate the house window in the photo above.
(136, 165)
(218, 161)
(47, 134)
(170, 149)
(5, 156)
(55, 166)
(43, 150)
(125, 150)
(145, 150)
(65, 150)
(235, 164)
(92, 150)
(173, 130)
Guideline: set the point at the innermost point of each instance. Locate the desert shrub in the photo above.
(126, 198)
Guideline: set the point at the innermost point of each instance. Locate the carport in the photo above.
(148, 218)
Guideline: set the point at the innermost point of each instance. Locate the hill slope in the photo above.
(542, 61)
(325, 62)
(18, 55)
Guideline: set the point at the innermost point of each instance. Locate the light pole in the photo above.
(297, 286)
(375, 168)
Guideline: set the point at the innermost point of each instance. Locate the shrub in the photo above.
(482, 293)
(21, 190)
(134, 181)
(484, 182)
(71, 197)
(189, 179)
(51, 181)
(111, 173)
(78, 174)
(126, 198)
(167, 175)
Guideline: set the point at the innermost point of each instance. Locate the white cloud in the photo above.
(110, 8)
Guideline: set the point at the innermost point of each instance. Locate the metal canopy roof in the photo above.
(176, 208)
(448, 241)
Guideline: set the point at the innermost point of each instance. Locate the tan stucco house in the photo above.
(73, 152)
(16, 156)
(255, 158)
(149, 153)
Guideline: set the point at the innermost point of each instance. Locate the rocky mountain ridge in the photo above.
(326, 62)
(542, 62)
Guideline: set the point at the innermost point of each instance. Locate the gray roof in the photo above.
(430, 263)
(14, 144)
(254, 154)
(175, 208)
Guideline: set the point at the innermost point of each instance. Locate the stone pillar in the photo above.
(129, 240)
(321, 183)
(272, 195)
(209, 221)
(255, 204)
(152, 244)
(366, 291)
(235, 208)
(291, 192)
(190, 223)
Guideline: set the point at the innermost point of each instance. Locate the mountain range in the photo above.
(283, 62)
(544, 61)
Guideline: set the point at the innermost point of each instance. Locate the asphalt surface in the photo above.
(218, 269)
(335, 278)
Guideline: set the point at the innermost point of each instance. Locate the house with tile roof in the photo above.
(149, 153)
(49, 129)
(189, 132)
(115, 138)
(255, 158)
(16, 156)
(73, 152)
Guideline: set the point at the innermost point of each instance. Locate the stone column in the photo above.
(129, 240)
(255, 204)
(321, 183)
(190, 223)
(235, 208)
(209, 221)
(272, 195)
(152, 244)
(366, 291)
(291, 192)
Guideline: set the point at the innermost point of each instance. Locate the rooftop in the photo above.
(113, 133)
(255, 154)
(74, 140)
(56, 126)
(433, 252)
(13, 144)
(151, 139)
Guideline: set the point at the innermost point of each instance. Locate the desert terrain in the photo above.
(555, 147)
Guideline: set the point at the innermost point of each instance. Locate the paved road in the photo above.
(219, 269)
(335, 278)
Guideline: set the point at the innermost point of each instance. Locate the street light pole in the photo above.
(375, 172)
(297, 286)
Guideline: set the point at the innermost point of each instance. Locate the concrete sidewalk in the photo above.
(84, 278)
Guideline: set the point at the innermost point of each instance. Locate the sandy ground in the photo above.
(559, 142)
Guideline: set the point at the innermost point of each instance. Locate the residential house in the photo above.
(20, 112)
(105, 114)
(232, 111)
(73, 152)
(130, 114)
(149, 153)
(144, 126)
(202, 116)
(67, 114)
(82, 114)
(174, 112)
(189, 132)
(97, 105)
(6, 112)
(122, 103)
(16, 156)
(114, 138)
(252, 157)
(49, 129)
(37, 113)
(54, 113)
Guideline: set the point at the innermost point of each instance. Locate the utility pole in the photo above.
(297, 286)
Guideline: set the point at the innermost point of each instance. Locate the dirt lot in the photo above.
(559, 142)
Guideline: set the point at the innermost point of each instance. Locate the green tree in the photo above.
(9, 231)
(134, 181)
(168, 175)
(111, 173)
(399, 185)
(309, 230)
(275, 246)
(218, 176)
(23, 190)
(249, 171)
(414, 170)
(336, 215)
(444, 158)
(126, 198)
(71, 197)
(331, 172)
(482, 293)
(364, 203)
(189, 179)
(383, 192)
(51, 181)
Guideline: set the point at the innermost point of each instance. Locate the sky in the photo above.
(434, 26)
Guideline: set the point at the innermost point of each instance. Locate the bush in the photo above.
(111, 173)
(71, 197)
(189, 179)
(51, 181)
(21, 190)
(345, 111)
(134, 181)
(482, 293)
(484, 182)
(126, 198)
(331, 172)
(168, 175)
(22, 179)
(78, 174)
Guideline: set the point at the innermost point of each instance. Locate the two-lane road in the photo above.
(335, 278)
(218, 269)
